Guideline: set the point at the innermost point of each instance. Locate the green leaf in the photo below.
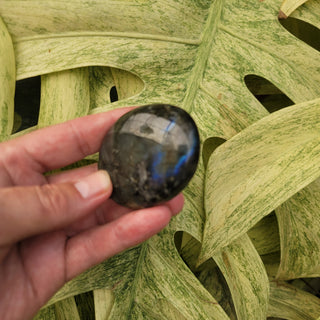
(265, 235)
(288, 302)
(194, 54)
(7, 80)
(246, 277)
(212, 279)
(103, 302)
(309, 12)
(65, 95)
(149, 267)
(103, 79)
(299, 224)
(288, 6)
(257, 170)
(127, 84)
(66, 309)
(46, 313)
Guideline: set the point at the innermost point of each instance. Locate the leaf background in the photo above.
(195, 54)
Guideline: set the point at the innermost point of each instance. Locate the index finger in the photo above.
(63, 144)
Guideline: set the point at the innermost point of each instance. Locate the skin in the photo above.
(67, 218)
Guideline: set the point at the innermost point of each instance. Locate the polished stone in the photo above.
(151, 153)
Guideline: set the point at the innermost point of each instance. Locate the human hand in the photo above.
(55, 227)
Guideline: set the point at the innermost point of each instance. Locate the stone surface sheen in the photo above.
(151, 153)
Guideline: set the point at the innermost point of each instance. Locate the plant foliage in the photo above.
(251, 225)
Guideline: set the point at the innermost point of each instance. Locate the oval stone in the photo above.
(150, 153)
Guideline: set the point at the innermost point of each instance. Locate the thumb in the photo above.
(31, 210)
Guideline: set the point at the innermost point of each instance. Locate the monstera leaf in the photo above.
(197, 55)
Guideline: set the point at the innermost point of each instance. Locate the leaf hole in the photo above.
(271, 97)
(26, 103)
(113, 94)
(109, 85)
(85, 305)
(209, 146)
(302, 30)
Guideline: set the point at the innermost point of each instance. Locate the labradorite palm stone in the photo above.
(151, 153)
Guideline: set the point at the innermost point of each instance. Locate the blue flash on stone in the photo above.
(150, 153)
(170, 126)
(180, 163)
(156, 163)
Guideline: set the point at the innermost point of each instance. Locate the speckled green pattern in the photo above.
(299, 222)
(194, 54)
(311, 15)
(247, 278)
(7, 78)
(65, 95)
(254, 172)
(67, 309)
(288, 302)
(288, 6)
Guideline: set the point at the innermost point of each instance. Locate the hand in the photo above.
(55, 227)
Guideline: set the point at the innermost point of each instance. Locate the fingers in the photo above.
(27, 211)
(97, 244)
(59, 145)
(73, 174)
(176, 204)
(110, 211)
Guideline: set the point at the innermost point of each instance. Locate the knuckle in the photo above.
(53, 202)
(82, 144)
(12, 163)
(122, 235)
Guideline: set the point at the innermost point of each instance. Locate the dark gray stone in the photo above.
(151, 153)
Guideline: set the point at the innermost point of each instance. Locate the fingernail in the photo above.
(94, 184)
